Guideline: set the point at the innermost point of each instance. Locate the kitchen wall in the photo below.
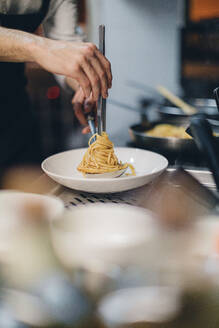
(143, 45)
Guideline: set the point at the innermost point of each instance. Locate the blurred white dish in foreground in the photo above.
(98, 235)
(14, 202)
(62, 168)
(13, 206)
(140, 305)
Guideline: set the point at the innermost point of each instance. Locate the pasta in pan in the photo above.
(168, 131)
(100, 157)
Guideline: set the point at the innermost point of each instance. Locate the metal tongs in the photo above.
(101, 108)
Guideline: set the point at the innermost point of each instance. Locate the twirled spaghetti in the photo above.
(100, 157)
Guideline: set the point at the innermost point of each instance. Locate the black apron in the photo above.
(18, 131)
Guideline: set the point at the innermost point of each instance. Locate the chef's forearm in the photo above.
(17, 46)
(79, 61)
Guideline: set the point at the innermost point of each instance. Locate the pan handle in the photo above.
(203, 136)
(216, 96)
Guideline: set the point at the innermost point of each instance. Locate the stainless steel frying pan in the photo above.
(171, 146)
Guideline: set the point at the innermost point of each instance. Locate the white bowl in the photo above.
(13, 203)
(62, 168)
(98, 235)
(126, 307)
(12, 211)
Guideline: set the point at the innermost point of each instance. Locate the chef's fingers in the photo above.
(94, 79)
(90, 105)
(78, 96)
(95, 62)
(79, 113)
(92, 52)
(78, 105)
(86, 130)
(107, 66)
(83, 81)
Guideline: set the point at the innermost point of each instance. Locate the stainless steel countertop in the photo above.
(203, 176)
(73, 198)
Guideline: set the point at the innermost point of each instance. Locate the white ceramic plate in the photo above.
(62, 168)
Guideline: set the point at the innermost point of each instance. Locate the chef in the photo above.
(59, 51)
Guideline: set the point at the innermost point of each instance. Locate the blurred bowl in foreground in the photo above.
(15, 203)
(145, 305)
(97, 236)
(16, 207)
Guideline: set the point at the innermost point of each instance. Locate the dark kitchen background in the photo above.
(168, 42)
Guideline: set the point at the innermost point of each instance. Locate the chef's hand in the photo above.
(82, 106)
(78, 60)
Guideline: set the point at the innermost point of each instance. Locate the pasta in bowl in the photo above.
(100, 159)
